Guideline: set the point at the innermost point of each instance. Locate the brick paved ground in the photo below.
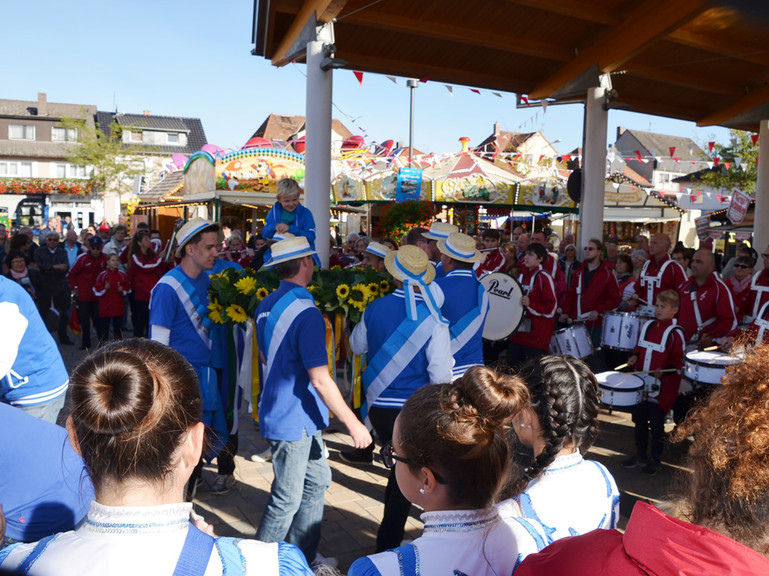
(353, 503)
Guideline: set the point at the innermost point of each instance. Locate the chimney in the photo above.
(42, 104)
(147, 112)
(620, 131)
(496, 129)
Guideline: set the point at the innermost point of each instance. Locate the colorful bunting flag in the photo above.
(754, 138)
(672, 150)
(359, 76)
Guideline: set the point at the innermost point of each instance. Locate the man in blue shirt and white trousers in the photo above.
(408, 346)
(297, 393)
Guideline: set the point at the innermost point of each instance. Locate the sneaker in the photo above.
(651, 468)
(321, 560)
(633, 462)
(262, 457)
(358, 455)
(223, 484)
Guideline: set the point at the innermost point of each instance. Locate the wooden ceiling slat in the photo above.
(280, 57)
(647, 22)
(581, 9)
(731, 49)
(751, 100)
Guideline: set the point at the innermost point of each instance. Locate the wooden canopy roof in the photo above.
(701, 60)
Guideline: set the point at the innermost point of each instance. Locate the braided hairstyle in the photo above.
(564, 396)
(457, 430)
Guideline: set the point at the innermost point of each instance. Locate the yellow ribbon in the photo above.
(255, 385)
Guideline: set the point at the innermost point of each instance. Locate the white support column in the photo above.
(761, 219)
(317, 180)
(593, 167)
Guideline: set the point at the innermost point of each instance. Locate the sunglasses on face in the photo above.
(389, 458)
(741, 266)
(589, 248)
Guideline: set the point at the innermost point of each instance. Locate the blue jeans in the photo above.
(294, 511)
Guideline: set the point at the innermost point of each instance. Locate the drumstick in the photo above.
(621, 366)
(710, 348)
(666, 370)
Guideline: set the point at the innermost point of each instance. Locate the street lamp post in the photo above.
(412, 84)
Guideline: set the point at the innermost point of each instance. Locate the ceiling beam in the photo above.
(581, 9)
(646, 23)
(310, 7)
(732, 50)
(399, 24)
(691, 81)
(756, 97)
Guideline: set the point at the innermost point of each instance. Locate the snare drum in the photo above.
(505, 308)
(707, 368)
(618, 389)
(621, 330)
(574, 340)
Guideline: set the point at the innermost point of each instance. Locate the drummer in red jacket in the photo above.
(532, 338)
(659, 273)
(593, 291)
(660, 346)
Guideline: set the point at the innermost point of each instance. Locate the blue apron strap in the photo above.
(34, 555)
(407, 560)
(196, 553)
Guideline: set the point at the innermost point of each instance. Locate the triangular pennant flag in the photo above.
(638, 155)
(710, 165)
(475, 91)
(566, 157)
(677, 159)
(524, 99)
(716, 160)
(754, 138)
(544, 106)
(728, 165)
(672, 150)
(450, 89)
(424, 80)
(737, 161)
(392, 79)
(497, 94)
(710, 146)
(359, 76)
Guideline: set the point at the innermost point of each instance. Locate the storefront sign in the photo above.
(738, 207)
(409, 184)
(702, 223)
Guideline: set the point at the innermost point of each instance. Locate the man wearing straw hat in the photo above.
(466, 302)
(179, 319)
(374, 256)
(297, 393)
(408, 345)
(438, 231)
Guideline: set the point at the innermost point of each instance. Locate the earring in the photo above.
(421, 490)
(523, 424)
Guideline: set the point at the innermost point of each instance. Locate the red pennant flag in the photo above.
(638, 155)
(524, 99)
(424, 80)
(672, 150)
(359, 76)
(677, 159)
(754, 138)
(728, 165)
(710, 145)
(716, 160)
(540, 158)
(475, 90)
(566, 157)
(693, 198)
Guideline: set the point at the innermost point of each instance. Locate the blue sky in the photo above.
(193, 59)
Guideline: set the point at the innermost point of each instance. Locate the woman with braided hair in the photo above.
(452, 459)
(567, 494)
(720, 524)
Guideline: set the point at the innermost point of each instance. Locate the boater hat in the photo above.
(289, 249)
(460, 247)
(410, 263)
(188, 231)
(440, 231)
(378, 249)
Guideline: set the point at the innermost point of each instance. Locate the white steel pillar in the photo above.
(761, 220)
(593, 168)
(317, 180)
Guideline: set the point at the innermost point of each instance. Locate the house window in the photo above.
(26, 169)
(173, 138)
(61, 170)
(3, 169)
(21, 132)
(59, 134)
(136, 136)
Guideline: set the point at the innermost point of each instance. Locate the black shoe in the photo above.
(651, 468)
(633, 462)
(358, 455)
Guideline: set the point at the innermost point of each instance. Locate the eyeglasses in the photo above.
(589, 248)
(741, 266)
(389, 458)
(765, 255)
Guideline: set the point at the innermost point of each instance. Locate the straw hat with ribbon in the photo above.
(460, 247)
(188, 232)
(440, 231)
(289, 249)
(378, 249)
(411, 266)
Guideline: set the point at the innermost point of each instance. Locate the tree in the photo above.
(110, 168)
(734, 165)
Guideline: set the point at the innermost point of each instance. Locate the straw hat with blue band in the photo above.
(189, 230)
(289, 249)
(411, 266)
(440, 231)
(460, 247)
(378, 249)
(278, 236)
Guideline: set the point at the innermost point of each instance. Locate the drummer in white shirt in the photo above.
(593, 291)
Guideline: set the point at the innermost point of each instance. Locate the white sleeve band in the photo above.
(160, 334)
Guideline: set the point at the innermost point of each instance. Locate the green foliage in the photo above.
(110, 167)
(740, 146)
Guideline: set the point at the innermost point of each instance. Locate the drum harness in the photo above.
(652, 390)
(697, 314)
(526, 322)
(760, 289)
(653, 282)
(762, 323)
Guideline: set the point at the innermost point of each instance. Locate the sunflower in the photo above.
(384, 286)
(236, 313)
(373, 289)
(262, 293)
(359, 293)
(215, 312)
(246, 285)
(343, 291)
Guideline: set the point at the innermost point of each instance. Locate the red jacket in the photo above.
(652, 282)
(713, 304)
(143, 274)
(743, 299)
(601, 294)
(671, 356)
(83, 275)
(111, 301)
(539, 287)
(494, 262)
(653, 544)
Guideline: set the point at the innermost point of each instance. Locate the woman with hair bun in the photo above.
(567, 494)
(719, 524)
(137, 422)
(451, 458)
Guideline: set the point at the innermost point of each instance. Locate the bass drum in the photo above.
(505, 308)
